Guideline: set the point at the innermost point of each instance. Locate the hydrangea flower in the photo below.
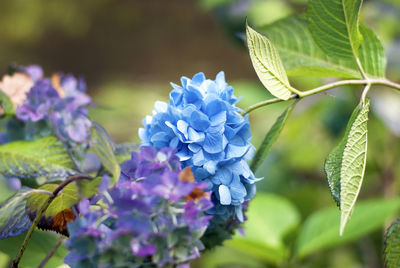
(203, 123)
(16, 87)
(153, 216)
(55, 105)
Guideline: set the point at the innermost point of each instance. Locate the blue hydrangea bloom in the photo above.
(154, 216)
(203, 123)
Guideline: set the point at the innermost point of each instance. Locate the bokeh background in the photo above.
(129, 51)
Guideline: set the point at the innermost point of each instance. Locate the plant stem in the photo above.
(360, 68)
(51, 253)
(320, 89)
(41, 212)
(364, 93)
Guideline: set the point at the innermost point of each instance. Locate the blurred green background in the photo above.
(129, 51)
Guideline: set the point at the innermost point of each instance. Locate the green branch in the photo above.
(52, 252)
(323, 88)
(55, 193)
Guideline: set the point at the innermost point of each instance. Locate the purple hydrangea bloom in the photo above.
(154, 215)
(34, 71)
(203, 123)
(39, 102)
(62, 100)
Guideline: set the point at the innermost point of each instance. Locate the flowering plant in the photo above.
(154, 215)
(185, 191)
(188, 187)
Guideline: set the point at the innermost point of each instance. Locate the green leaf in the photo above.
(371, 53)
(102, 146)
(59, 213)
(43, 157)
(392, 245)
(353, 165)
(6, 104)
(334, 26)
(88, 188)
(224, 257)
(270, 219)
(300, 54)
(268, 65)
(333, 163)
(38, 247)
(5, 191)
(13, 218)
(270, 138)
(320, 230)
(68, 197)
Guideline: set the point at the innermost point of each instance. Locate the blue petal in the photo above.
(182, 126)
(194, 136)
(234, 151)
(237, 141)
(239, 213)
(160, 106)
(215, 106)
(176, 131)
(194, 147)
(217, 130)
(219, 118)
(159, 137)
(199, 121)
(224, 175)
(193, 95)
(175, 86)
(211, 167)
(211, 87)
(213, 143)
(224, 195)
(235, 118)
(174, 142)
(198, 158)
(188, 110)
(201, 173)
(215, 180)
(238, 191)
(198, 78)
(251, 191)
(184, 81)
(183, 154)
(224, 142)
(220, 79)
(175, 97)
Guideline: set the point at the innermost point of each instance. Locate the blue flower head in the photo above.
(203, 123)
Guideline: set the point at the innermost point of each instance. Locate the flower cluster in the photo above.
(58, 103)
(203, 123)
(153, 216)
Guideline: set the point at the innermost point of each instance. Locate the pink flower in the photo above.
(16, 86)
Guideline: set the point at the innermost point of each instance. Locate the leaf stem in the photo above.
(320, 89)
(40, 213)
(51, 253)
(364, 94)
(360, 68)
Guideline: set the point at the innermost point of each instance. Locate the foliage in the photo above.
(120, 207)
(102, 146)
(392, 253)
(43, 157)
(13, 218)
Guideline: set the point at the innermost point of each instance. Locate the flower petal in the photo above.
(224, 195)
